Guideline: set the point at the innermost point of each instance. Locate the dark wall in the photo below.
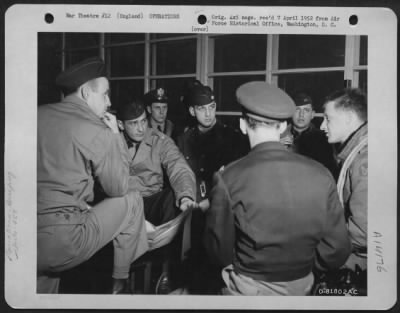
(49, 66)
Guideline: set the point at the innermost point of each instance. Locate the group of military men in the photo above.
(266, 212)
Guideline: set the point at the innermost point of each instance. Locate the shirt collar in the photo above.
(146, 139)
(269, 145)
(155, 125)
(296, 133)
(211, 131)
(129, 141)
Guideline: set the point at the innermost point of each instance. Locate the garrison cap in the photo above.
(130, 110)
(301, 98)
(156, 95)
(197, 94)
(80, 73)
(264, 101)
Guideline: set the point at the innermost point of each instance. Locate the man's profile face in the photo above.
(303, 116)
(204, 114)
(136, 128)
(98, 97)
(335, 123)
(158, 111)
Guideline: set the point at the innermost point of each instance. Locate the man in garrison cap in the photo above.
(303, 137)
(156, 102)
(152, 154)
(79, 144)
(274, 213)
(207, 146)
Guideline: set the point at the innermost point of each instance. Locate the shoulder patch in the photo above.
(363, 169)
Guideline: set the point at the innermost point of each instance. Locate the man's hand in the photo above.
(287, 140)
(187, 203)
(111, 121)
(204, 205)
(149, 227)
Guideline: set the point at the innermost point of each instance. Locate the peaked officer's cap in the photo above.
(156, 95)
(263, 101)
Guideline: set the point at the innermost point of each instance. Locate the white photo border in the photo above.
(22, 24)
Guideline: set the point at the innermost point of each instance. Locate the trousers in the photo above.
(160, 207)
(239, 284)
(64, 242)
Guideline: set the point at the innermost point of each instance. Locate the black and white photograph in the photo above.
(196, 157)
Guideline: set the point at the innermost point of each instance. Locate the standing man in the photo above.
(79, 142)
(207, 146)
(303, 137)
(274, 213)
(345, 123)
(156, 102)
(151, 153)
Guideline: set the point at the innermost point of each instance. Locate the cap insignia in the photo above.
(160, 93)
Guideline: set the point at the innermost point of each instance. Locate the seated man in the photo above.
(151, 153)
(303, 137)
(78, 143)
(273, 213)
(156, 102)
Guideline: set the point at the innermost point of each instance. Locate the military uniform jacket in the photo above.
(169, 128)
(155, 154)
(74, 148)
(207, 153)
(312, 143)
(272, 212)
(355, 191)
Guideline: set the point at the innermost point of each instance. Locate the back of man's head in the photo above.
(265, 109)
(265, 102)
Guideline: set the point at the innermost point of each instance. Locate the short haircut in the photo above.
(253, 123)
(352, 99)
(93, 84)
